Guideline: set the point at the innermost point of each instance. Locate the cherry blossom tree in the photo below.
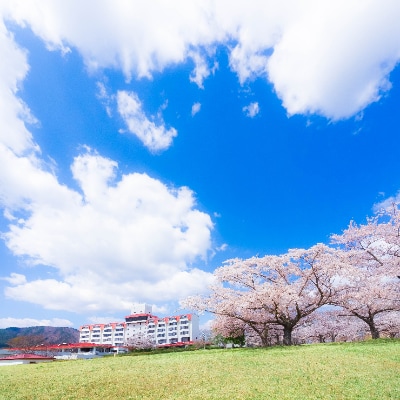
(358, 274)
(272, 291)
(240, 332)
(230, 329)
(140, 343)
(389, 324)
(375, 245)
(366, 296)
(370, 284)
(330, 326)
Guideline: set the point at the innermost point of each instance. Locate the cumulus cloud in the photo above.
(137, 37)
(28, 322)
(102, 319)
(128, 237)
(125, 235)
(195, 108)
(15, 279)
(251, 110)
(80, 292)
(202, 69)
(336, 69)
(13, 132)
(154, 137)
(316, 64)
(138, 221)
(387, 203)
(132, 236)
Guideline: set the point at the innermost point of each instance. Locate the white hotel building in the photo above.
(141, 324)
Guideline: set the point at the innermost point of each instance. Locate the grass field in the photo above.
(367, 370)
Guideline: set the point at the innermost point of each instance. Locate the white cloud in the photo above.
(251, 110)
(13, 132)
(118, 235)
(15, 279)
(132, 238)
(154, 137)
(223, 247)
(387, 203)
(195, 108)
(336, 69)
(316, 64)
(130, 234)
(138, 37)
(103, 319)
(206, 325)
(104, 98)
(28, 322)
(80, 292)
(202, 69)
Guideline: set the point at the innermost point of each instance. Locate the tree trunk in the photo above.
(374, 331)
(264, 340)
(264, 337)
(277, 339)
(287, 335)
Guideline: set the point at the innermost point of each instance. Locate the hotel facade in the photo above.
(141, 324)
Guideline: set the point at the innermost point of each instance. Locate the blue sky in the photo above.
(143, 145)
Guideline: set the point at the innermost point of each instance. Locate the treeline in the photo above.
(346, 290)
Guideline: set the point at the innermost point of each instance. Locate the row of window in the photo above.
(161, 335)
(159, 341)
(120, 334)
(109, 329)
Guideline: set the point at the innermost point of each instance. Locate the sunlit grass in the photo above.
(369, 370)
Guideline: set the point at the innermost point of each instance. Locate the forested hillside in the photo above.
(50, 334)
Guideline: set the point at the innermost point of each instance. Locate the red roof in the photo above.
(45, 347)
(140, 315)
(26, 357)
(76, 345)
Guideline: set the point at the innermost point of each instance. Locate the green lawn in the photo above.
(367, 370)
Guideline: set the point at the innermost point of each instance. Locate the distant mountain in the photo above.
(50, 334)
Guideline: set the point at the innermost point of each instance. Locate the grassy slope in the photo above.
(369, 370)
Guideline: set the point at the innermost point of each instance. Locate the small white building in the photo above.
(75, 351)
(142, 324)
(24, 359)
